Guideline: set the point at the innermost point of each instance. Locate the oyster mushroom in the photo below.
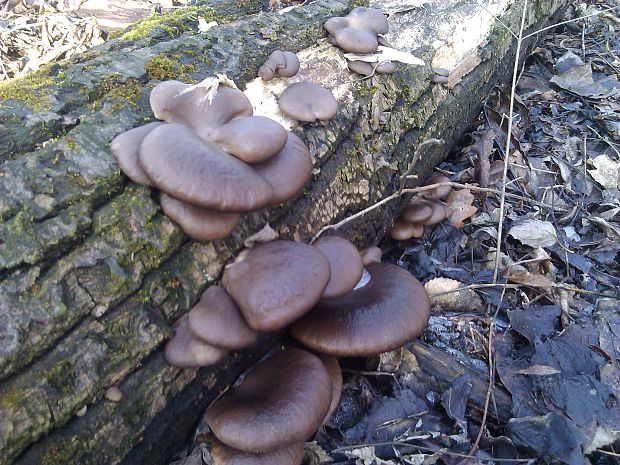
(285, 64)
(282, 400)
(308, 102)
(389, 311)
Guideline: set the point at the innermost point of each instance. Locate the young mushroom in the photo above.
(392, 309)
(277, 282)
(283, 400)
(126, 147)
(368, 69)
(285, 64)
(308, 102)
(425, 210)
(216, 319)
(186, 350)
(345, 264)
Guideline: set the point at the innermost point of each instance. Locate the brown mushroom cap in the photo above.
(356, 41)
(199, 173)
(289, 454)
(252, 139)
(440, 210)
(371, 255)
(441, 71)
(185, 350)
(282, 400)
(403, 230)
(126, 147)
(288, 171)
(216, 319)
(357, 32)
(438, 193)
(276, 283)
(345, 265)
(367, 69)
(308, 101)
(335, 373)
(198, 223)
(368, 19)
(392, 309)
(285, 64)
(171, 101)
(416, 213)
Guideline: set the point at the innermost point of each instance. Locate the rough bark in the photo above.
(92, 274)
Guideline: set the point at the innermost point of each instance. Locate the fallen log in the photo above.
(92, 274)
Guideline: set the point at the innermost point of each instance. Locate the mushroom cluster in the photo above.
(211, 158)
(280, 403)
(361, 32)
(424, 210)
(334, 297)
(337, 300)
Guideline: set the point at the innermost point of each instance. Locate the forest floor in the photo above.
(541, 314)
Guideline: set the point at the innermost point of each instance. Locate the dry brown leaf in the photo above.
(519, 274)
(539, 370)
(460, 205)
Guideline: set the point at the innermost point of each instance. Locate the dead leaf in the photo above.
(534, 233)
(539, 370)
(266, 234)
(460, 205)
(519, 274)
(607, 172)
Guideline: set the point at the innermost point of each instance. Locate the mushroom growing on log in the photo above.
(92, 260)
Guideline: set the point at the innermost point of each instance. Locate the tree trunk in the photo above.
(92, 274)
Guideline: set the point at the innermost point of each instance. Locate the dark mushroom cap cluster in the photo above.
(285, 64)
(359, 32)
(279, 404)
(424, 210)
(211, 158)
(211, 328)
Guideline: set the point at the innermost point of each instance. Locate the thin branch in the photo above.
(417, 190)
(569, 21)
(502, 205)
(428, 449)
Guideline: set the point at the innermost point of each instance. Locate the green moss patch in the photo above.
(29, 89)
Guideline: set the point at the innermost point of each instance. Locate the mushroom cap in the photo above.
(289, 454)
(198, 223)
(252, 139)
(403, 230)
(345, 265)
(440, 210)
(216, 319)
(308, 101)
(416, 213)
(282, 400)
(193, 108)
(438, 193)
(126, 147)
(392, 309)
(288, 171)
(276, 283)
(440, 71)
(285, 64)
(199, 173)
(371, 255)
(368, 19)
(185, 350)
(335, 373)
(367, 69)
(356, 41)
